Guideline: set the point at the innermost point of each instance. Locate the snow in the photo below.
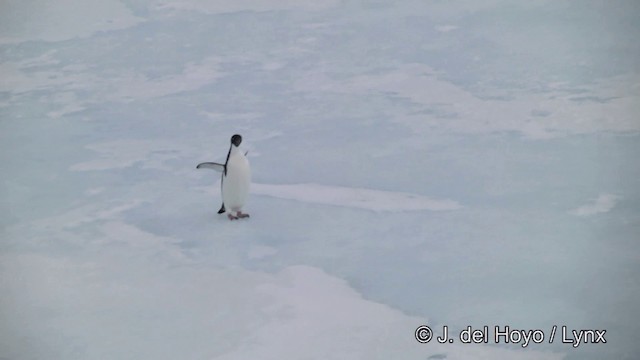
(444, 163)
(67, 19)
(375, 200)
(604, 203)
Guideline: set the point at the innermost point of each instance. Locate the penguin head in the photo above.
(236, 140)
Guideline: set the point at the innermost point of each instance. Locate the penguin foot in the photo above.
(231, 217)
(242, 215)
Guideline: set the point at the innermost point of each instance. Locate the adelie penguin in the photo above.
(236, 177)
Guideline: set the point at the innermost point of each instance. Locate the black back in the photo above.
(235, 140)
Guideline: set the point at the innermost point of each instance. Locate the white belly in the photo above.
(235, 186)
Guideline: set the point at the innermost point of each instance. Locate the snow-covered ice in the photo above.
(418, 162)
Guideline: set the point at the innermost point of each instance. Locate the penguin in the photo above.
(236, 177)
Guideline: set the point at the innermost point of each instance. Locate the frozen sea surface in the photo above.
(444, 163)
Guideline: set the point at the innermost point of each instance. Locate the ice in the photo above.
(444, 163)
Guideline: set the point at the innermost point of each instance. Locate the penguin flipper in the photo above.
(222, 209)
(211, 165)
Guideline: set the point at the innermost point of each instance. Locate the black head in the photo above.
(236, 140)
